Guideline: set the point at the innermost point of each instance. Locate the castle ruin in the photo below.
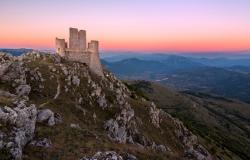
(77, 50)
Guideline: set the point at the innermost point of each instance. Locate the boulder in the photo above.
(160, 148)
(129, 157)
(47, 116)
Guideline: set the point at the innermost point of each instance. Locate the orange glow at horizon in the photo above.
(137, 43)
(167, 25)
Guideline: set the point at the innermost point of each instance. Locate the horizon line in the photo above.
(146, 51)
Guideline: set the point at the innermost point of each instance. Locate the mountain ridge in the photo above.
(52, 108)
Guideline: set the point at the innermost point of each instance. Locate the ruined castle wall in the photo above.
(79, 56)
(93, 46)
(82, 39)
(73, 38)
(95, 64)
(61, 45)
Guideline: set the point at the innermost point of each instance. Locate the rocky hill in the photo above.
(221, 124)
(52, 108)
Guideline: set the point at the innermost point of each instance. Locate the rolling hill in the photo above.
(182, 73)
(222, 124)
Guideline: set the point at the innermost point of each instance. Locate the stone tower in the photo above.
(77, 50)
(61, 45)
(82, 39)
(95, 64)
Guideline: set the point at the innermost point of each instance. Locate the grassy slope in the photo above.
(222, 125)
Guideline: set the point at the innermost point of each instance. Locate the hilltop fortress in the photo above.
(77, 50)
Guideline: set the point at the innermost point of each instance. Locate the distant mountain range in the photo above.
(15, 52)
(220, 76)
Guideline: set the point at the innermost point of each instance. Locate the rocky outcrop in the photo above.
(21, 122)
(110, 155)
(43, 142)
(11, 70)
(118, 128)
(189, 140)
(154, 115)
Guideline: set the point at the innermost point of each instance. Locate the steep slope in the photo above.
(52, 108)
(222, 124)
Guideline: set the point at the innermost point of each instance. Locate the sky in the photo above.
(129, 25)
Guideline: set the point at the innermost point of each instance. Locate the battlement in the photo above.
(77, 51)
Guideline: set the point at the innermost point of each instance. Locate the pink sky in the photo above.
(131, 25)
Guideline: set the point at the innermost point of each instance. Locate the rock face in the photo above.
(46, 99)
(119, 127)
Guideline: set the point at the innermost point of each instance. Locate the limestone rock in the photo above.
(115, 132)
(76, 81)
(15, 73)
(47, 116)
(75, 126)
(108, 155)
(160, 148)
(23, 90)
(5, 62)
(102, 102)
(43, 142)
(65, 70)
(58, 89)
(129, 157)
(6, 94)
(118, 128)
(21, 123)
(154, 115)
(189, 140)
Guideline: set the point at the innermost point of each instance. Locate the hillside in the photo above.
(222, 124)
(182, 73)
(52, 108)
